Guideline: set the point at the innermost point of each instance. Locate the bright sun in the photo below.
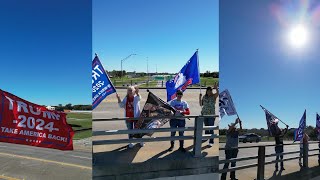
(298, 36)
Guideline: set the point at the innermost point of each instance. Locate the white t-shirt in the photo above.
(179, 105)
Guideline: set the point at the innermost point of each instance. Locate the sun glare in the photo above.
(298, 36)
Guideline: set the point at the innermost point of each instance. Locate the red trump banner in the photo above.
(23, 122)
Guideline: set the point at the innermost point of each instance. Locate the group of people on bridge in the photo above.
(232, 142)
(131, 105)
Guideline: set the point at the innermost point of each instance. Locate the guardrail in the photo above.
(197, 136)
(261, 158)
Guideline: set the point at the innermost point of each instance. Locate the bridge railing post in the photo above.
(305, 154)
(261, 162)
(197, 140)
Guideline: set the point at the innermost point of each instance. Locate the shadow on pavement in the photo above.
(122, 154)
(303, 174)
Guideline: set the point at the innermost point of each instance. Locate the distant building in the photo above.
(131, 74)
(51, 108)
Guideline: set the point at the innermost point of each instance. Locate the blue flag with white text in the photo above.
(226, 105)
(101, 84)
(188, 75)
(298, 133)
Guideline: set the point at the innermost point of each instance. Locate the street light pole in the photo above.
(148, 69)
(123, 61)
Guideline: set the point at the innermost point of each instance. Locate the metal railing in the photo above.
(197, 136)
(261, 158)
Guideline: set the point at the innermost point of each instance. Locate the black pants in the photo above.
(209, 122)
(279, 149)
(230, 153)
(176, 123)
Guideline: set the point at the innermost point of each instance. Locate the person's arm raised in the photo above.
(118, 97)
(216, 87)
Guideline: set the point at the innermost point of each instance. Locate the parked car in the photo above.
(250, 137)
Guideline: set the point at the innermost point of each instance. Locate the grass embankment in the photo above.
(208, 81)
(118, 82)
(81, 123)
(125, 81)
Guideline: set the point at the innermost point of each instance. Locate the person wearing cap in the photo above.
(208, 108)
(231, 148)
(182, 108)
(279, 144)
(131, 105)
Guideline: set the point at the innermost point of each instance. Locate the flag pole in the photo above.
(274, 115)
(198, 69)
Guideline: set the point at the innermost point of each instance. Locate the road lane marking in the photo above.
(8, 178)
(47, 161)
(81, 157)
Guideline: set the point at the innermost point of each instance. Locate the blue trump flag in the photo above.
(101, 84)
(188, 75)
(226, 105)
(318, 123)
(298, 133)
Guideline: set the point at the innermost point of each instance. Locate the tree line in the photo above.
(78, 107)
(210, 74)
(310, 130)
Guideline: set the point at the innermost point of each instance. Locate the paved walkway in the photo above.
(292, 167)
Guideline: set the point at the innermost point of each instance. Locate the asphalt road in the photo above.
(290, 166)
(35, 163)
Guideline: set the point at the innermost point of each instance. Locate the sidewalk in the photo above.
(292, 172)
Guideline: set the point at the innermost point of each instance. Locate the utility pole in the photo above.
(124, 60)
(148, 69)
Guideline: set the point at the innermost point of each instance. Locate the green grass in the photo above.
(208, 81)
(151, 84)
(205, 81)
(129, 79)
(80, 121)
(125, 80)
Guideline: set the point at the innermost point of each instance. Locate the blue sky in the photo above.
(167, 32)
(258, 66)
(45, 50)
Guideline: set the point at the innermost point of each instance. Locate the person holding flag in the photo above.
(182, 108)
(278, 137)
(208, 102)
(318, 134)
(277, 133)
(303, 140)
(131, 105)
(300, 135)
(231, 148)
